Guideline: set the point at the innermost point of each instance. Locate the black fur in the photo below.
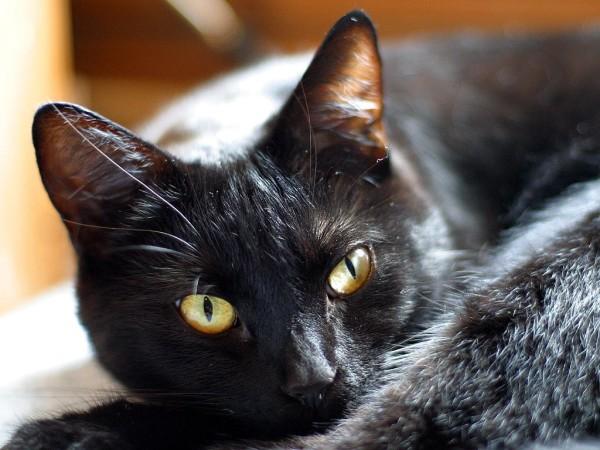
(516, 363)
(481, 131)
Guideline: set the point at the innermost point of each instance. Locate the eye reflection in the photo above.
(208, 314)
(351, 273)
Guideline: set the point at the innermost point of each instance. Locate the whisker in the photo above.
(312, 143)
(162, 233)
(112, 161)
(312, 146)
(195, 287)
(321, 426)
(386, 199)
(146, 248)
(362, 174)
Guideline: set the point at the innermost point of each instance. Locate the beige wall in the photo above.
(35, 68)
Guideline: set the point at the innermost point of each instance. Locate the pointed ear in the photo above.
(337, 108)
(91, 167)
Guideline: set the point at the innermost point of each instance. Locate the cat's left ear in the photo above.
(335, 114)
(93, 169)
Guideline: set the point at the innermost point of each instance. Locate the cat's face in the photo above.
(299, 259)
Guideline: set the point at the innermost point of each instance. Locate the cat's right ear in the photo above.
(91, 167)
(335, 114)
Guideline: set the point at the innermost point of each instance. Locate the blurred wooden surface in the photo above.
(296, 22)
(130, 57)
(34, 49)
(148, 39)
(144, 52)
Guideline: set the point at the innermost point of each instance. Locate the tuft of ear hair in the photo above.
(90, 166)
(336, 111)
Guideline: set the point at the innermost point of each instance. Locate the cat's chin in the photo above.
(296, 418)
(317, 417)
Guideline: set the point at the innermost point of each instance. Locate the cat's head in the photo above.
(267, 288)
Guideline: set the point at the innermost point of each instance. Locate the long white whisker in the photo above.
(312, 146)
(360, 177)
(148, 188)
(130, 229)
(146, 248)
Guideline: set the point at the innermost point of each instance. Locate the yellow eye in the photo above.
(208, 314)
(351, 273)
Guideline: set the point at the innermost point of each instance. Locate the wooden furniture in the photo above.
(34, 45)
(127, 58)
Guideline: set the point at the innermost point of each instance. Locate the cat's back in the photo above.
(480, 116)
(472, 88)
(224, 118)
(434, 79)
(498, 124)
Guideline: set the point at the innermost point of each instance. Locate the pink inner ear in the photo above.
(341, 91)
(89, 165)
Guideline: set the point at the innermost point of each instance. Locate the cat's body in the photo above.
(486, 109)
(517, 361)
(515, 364)
(479, 130)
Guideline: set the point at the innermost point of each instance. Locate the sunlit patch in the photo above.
(208, 314)
(351, 273)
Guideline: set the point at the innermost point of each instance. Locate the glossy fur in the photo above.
(479, 132)
(516, 363)
(262, 231)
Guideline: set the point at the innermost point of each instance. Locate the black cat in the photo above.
(516, 362)
(251, 297)
(267, 292)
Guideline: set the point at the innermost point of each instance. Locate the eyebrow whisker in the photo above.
(147, 248)
(163, 233)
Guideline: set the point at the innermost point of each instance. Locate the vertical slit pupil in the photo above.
(350, 267)
(208, 308)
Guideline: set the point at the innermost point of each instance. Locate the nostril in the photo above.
(310, 395)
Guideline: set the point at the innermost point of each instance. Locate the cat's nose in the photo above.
(310, 390)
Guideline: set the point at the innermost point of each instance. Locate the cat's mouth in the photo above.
(321, 408)
(320, 402)
(300, 419)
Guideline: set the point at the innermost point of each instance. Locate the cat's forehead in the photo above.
(248, 210)
(243, 195)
